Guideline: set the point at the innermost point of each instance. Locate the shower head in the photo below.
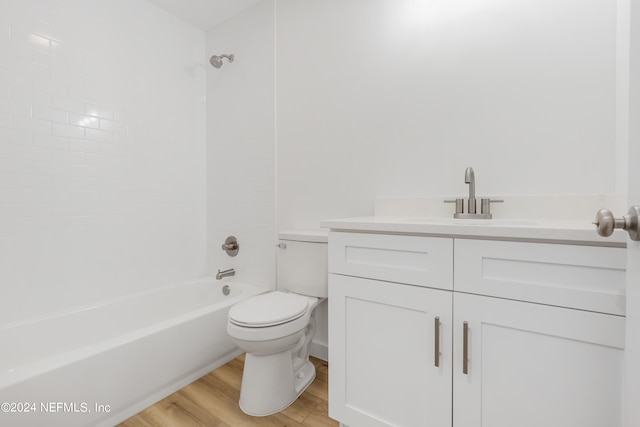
(216, 60)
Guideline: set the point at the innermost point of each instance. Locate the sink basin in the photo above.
(472, 222)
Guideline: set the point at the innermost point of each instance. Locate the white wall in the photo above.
(241, 145)
(397, 97)
(102, 152)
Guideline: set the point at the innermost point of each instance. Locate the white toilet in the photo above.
(275, 328)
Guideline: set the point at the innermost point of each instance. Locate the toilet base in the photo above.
(269, 383)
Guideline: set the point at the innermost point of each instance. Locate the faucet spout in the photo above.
(470, 178)
(225, 273)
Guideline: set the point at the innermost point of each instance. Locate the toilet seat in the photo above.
(270, 325)
(270, 309)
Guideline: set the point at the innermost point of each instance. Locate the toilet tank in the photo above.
(302, 262)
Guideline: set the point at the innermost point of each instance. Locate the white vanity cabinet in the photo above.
(530, 334)
(390, 343)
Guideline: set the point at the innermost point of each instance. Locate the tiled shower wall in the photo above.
(241, 149)
(102, 152)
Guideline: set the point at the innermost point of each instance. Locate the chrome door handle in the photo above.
(606, 223)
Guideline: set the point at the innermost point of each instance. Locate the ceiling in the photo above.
(204, 14)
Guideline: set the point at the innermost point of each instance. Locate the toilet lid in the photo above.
(270, 309)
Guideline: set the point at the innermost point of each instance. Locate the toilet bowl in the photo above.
(276, 328)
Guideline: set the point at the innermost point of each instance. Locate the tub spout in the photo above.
(225, 273)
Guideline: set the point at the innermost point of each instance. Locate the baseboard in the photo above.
(319, 350)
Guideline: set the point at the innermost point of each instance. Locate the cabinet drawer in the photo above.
(414, 260)
(582, 277)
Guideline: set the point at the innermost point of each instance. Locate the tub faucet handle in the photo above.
(231, 246)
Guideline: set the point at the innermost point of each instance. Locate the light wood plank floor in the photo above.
(212, 401)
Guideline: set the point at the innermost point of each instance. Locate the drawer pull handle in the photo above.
(465, 348)
(436, 353)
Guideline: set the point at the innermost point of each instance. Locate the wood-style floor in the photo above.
(212, 401)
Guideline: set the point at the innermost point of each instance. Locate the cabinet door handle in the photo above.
(465, 348)
(436, 353)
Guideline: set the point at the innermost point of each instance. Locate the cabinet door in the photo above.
(532, 365)
(382, 345)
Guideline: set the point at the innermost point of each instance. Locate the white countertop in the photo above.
(557, 231)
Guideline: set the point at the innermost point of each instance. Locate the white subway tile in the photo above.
(61, 65)
(84, 146)
(39, 42)
(7, 180)
(17, 137)
(92, 159)
(69, 209)
(15, 225)
(30, 96)
(84, 121)
(76, 64)
(16, 165)
(68, 131)
(51, 87)
(14, 78)
(50, 141)
(86, 196)
(99, 136)
(60, 62)
(50, 195)
(38, 71)
(13, 196)
(85, 171)
(43, 59)
(51, 223)
(68, 104)
(33, 153)
(5, 33)
(113, 126)
(48, 113)
(124, 139)
(69, 157)
(5, 120)
(35, 209)
(32, 181)
(18, 54)
(98, 111)
(20, 108)
(67, 183)
(124, 116)
(6, 149)
(51, 168)
(7, 210)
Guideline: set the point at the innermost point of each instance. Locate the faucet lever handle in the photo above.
(459, 205)
(485, 205)
(231, 246)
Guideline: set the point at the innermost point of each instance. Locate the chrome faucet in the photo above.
(472, 210)
(470, 178)
(225, 273)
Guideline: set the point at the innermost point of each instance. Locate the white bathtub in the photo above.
(99, 365)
